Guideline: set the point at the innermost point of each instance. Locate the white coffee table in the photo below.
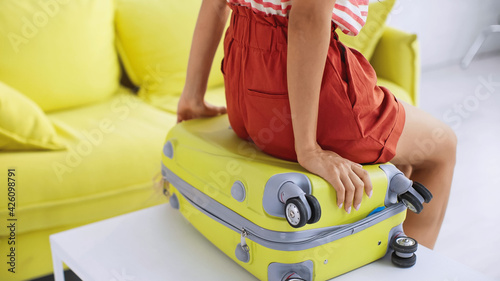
(159, 244)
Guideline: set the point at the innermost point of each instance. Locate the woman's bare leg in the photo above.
(427, 150)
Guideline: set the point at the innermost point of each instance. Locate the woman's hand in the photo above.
(348, 178)
(191, 107)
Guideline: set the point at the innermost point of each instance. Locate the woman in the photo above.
(300, 94)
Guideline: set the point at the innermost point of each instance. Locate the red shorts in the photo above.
(357, 119)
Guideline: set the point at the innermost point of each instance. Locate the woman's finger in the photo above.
(222, 110)
(180, 118)
(359, 186)
(212, 110)
(365, 177)
(349, 191)
(339, 188)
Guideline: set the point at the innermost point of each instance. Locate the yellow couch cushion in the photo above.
(114, 151)
(396, 90)
(153, 40)
(366, 41)
(396, 59)
(23, 125)
(59, 53)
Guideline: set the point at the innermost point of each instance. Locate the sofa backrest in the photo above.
(59, 53)
(366, 41)
(154, 40)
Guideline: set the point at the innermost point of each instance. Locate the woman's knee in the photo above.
(447, 140)
(439, 148)
(425, 140)
(405, 169)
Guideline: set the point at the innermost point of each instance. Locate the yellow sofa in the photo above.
(81, 147)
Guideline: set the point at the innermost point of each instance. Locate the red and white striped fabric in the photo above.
(349, 15)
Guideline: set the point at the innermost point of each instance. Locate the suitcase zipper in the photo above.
(243, 244)
(284, 241)
(330, 234)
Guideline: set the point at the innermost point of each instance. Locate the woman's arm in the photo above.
(207, 34)
(309, 31)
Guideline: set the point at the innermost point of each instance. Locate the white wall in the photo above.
(447, 28)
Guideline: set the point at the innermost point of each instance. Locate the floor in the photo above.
(68, 276)
(469, 101)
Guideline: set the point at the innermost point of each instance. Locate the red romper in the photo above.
(357, 119)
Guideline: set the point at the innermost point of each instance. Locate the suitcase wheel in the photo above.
(412, 202)
(403, 262)
(315, 209)
(422, 190)
(404, 244)
(300, 207)
(404, 251)
(295, 212)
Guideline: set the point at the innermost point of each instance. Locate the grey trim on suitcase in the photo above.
(168, 150)
(241, 254)
(398, 184)
(174, 202)
(280, 271)
(283, 241)
(271, 202)
(238, 191)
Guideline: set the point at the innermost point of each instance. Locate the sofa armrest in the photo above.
(396, 58)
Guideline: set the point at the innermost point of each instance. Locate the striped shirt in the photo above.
(348, 15)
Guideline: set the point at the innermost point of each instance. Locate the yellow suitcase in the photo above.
(274, 218)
